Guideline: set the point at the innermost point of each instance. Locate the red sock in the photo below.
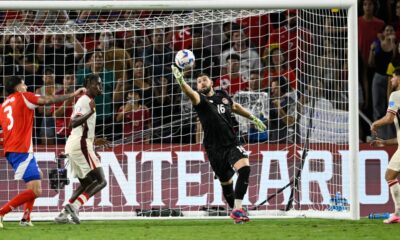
(21, 198)
(28, 209)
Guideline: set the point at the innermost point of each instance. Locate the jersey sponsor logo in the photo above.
(225, 101)
(391, 103)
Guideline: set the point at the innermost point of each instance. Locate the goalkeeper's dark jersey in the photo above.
(215, 115)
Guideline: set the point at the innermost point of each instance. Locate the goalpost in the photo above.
(156, 165)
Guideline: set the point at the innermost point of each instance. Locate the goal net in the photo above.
(288, 67)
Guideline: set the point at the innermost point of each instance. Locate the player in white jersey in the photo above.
(393, 169)
(85, 164)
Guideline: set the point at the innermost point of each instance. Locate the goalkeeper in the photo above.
(214, 108)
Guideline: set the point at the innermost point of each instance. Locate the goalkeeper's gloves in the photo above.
(178, 75)
(258, 123)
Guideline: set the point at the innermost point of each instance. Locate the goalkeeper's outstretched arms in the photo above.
(239, 109)
(193, 95)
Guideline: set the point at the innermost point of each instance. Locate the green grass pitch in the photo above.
(205, 230)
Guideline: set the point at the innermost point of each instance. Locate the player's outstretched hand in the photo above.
(258, 123)
(102, 142)
(378, 143)
(178, 75)
(80, 91)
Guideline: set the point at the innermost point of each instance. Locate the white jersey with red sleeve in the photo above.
(16, 116)
(85, 130)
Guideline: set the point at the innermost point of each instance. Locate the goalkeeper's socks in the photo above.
(25, 196)
(242, 182)
(238, 203)
(81, 200)
(229, 195)
(28, 206)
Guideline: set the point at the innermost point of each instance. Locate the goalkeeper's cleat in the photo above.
(240, 216)
(1, 221)
(238, 221)
(25, 223)
(73, 212)
(62, 218)
(392, 219)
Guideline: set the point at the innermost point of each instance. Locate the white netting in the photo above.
(284, 66)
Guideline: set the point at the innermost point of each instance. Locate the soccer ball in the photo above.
(184, 59)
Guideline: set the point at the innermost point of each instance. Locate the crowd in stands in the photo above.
(141, 102)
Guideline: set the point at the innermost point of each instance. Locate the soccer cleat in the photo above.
(240, 216)
(24, 223)
(61, 218)
(392, 219)
(1, 221)
(73, 212)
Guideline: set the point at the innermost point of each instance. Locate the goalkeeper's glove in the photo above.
(178, 75)
(258, 123)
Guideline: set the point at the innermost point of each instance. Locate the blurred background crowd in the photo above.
(280, 57)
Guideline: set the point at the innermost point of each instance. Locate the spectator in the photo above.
(132, 42)
(116, 58)
(204, 62)
(19, 60)
(249, 58)
(47, 126)
(282, 111)
(63, 111)
(142, 82)
(278, 66)
(233, 81)
(255, 80)
(397, 24)
(164, 114)
(104, 104)
(59, 53)
(334, 72)
(382, 52)
(286, 38)
(227, 29)
(158, 56)
(368, 28)
(256, 28)
(135, 117)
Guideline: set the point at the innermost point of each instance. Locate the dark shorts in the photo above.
(223, 159)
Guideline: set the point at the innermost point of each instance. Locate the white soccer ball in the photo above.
(184, 59)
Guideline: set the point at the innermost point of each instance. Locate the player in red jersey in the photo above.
(16, 117)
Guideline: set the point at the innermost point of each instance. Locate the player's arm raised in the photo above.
(80, 119)
(239, 109)
(193, 95)
(47, 100)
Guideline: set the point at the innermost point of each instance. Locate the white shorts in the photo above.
(81, 156)
(394, 163)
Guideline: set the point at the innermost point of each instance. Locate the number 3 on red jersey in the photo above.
(8, 111)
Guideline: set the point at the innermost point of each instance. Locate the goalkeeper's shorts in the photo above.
(223, 159)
